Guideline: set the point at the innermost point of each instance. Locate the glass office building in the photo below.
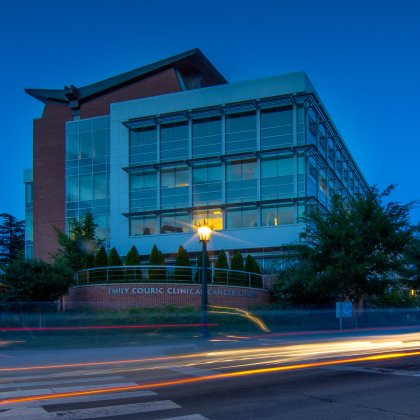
(152, 160)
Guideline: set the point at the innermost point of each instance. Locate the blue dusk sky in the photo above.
(363, 58)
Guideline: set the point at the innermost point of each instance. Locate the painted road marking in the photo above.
(190, 417)
(4, 385)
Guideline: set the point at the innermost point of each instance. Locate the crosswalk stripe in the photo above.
(116, 410)
(47, 391)
(115, 396)
(58, 382)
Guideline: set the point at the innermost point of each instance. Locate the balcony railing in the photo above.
(167, 274)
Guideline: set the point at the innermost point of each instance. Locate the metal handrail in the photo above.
(167, 274)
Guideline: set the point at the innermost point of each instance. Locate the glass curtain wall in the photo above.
(87, 172)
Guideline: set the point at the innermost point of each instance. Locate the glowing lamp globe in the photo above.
(204, 233)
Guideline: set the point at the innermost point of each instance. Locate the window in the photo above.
(143, 193)
(207, 184)
(143, 145)
(241, 217)
(241, 132)
(174, 141)
(175, 223)
(143, 225)
(277, 215)
(207, 136)
(213, 217)
(100, 186)
(85, 188)
(277, 177)
(276, 128)
(72, 188)
(174, 190)
(241, 183)
(99, 143)
(72, 146)
(85, 140)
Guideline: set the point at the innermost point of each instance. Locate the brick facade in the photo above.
(123, 296)
(49, 152)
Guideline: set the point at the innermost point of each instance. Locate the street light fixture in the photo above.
(204, 233)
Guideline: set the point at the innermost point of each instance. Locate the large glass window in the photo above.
(72, 188)
(99, 143)
(207, 184)
(241, 182)
(241, 132)
(174, 191)
(274, 215)
(100, 186)
(213, 217)
(85, 140)
(276, 128)
(207, 137)
(241, 217)
(143, 225)
(175, 223)
(72, 146)
(85, 188)
(174, 141)
(143, 193)
(277, 177)
(143, 145)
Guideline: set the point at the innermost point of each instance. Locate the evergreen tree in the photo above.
(156, 258)
(114, 260)
(79, 246)
(101, 260)
(12, 239)
(252, 266)
(133, 258)
(182, 260)
(221, 263)
(237, 263)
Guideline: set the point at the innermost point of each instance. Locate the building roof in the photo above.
(186, 62)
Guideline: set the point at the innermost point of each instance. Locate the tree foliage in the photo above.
(156, 258)
(101, 257)
(182, 259)
(237, 262)
(36, 281)
(222, 264)
(251, 265)
(114, 259)
(133, 258)
(79, 246)
(12, 239)
(352, 251)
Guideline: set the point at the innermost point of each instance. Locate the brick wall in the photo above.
(122, 296)
(49, 153)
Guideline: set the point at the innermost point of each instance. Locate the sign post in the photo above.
(343, 310)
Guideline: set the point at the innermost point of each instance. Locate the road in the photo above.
(357, 377)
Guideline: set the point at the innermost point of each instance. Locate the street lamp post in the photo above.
(204, 233)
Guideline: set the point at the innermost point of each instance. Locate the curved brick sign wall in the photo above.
(121, 296)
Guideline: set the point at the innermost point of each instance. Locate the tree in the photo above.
(133, 258)
(79, 246)
(12, 239)
(156, 258)
(221, 264)
(36, 281)
(114, 260)
(354, 249)
(252, 266)
(182, 259)
(101, 258)
(237, 263)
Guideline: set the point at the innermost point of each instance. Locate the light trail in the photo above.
(227, 375)
(106, 327)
